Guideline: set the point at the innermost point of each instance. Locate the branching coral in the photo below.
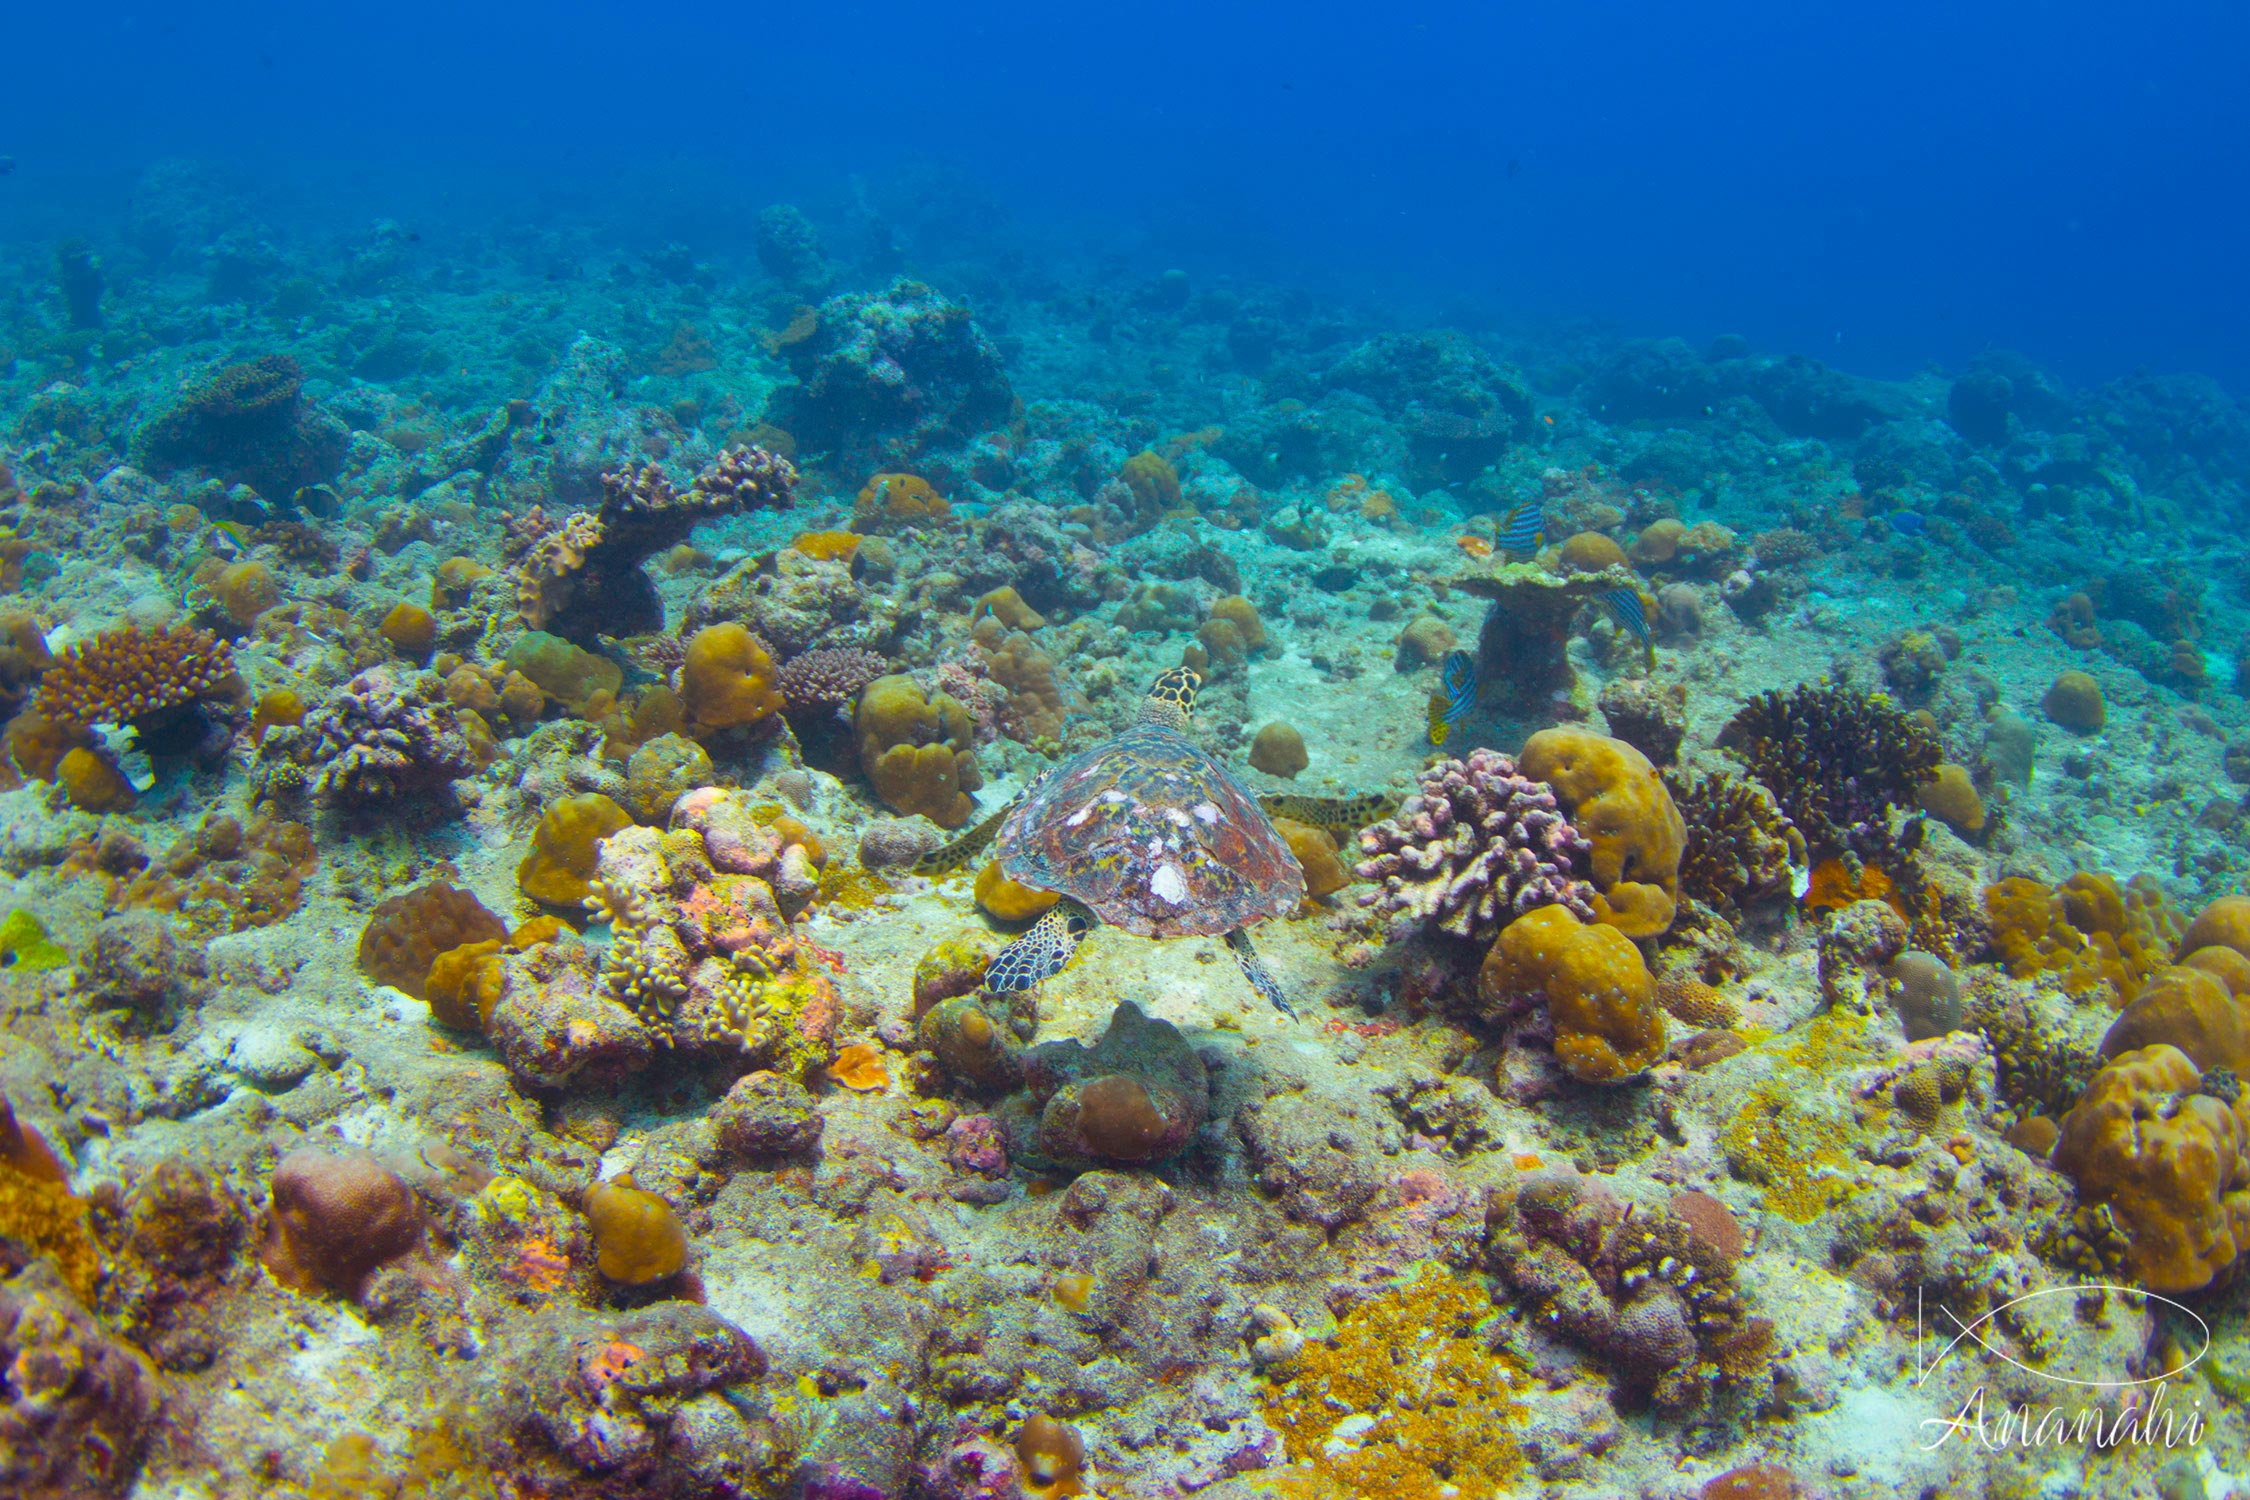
(583, 576)
(1740, 852)
(824, 680)
(1477, 845)
(1839, 760)
(150, 680)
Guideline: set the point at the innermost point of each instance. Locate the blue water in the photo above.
(1878, 187)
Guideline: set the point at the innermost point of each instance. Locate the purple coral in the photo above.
(76, 1402)
(829, 677)
(1478, 845)
(379, 741)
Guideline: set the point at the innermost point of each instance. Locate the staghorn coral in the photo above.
(378, 741)
(1652, 1292)
(1839, 760)
(825, 680)
(2091, 937)
(150, 680)
(1475, 846)
(2169, 1163)
(582, 576)
(1740, 853)
(1618, 804)
(1600, 996)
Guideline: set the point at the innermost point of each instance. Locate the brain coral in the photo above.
(1475, 846)
(1600, 996)
(919, 752)
(2170, 1164)
(1618, 803)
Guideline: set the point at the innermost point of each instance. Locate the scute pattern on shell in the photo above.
(1155, 836)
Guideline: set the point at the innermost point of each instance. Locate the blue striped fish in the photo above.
(1456, 694)
(1633, 615)
(1521, 530)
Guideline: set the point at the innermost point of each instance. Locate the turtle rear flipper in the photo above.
(1042, 951)
(1254, 969)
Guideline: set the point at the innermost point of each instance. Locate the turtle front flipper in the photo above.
(1042, 951)
(965, 847)
(1254, 969)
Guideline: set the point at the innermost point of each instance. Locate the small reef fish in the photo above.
(1456, 694)
(1475, 546)
(1342, 816)
(1521, 530)
(1633, 615)
(1906, 522)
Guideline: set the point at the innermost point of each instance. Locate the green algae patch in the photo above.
(24, 944)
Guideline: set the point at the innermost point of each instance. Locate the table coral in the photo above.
(1522, 644)
(1599, 994)
(149, 680)
(582, 576)
(919, 752)
(1476, 845)
(2087, 934)
(2170, 1163)
(1621, 808)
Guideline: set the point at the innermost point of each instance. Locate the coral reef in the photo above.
(1620, 807)
(1601, 999)
(1476, 845)
(919, 752)
(1839, 760)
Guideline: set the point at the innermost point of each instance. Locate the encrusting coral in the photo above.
(1476, 845)
(2088, 934)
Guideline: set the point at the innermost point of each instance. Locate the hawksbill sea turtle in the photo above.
(1147, 832)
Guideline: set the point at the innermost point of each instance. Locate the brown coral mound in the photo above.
(1600, 996)
(2169, 1163)
(1741, 852)
(407, 933)
(137, 677)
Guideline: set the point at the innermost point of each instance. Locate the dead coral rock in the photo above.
(136, 963)
(557, 1027)
(637, 1395)
(1137, 1095)
(76, 1402)
(766, 1115)
(1854, 948)
(1652, 719)
(1324, 1161)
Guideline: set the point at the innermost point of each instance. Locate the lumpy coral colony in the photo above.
(502, 885)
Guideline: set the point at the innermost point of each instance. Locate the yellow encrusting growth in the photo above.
(1793, 1136)
(1405, 1400)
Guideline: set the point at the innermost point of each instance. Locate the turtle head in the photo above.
(1171, 698)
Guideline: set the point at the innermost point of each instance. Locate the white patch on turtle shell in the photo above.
(1174, 815)
(1169, 885)
(1207, 812)
(1079, 816)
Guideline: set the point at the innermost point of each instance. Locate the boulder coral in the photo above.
(335, 1219)
(919, 751)
(1621, 807)
(1600, 996)
(1137, 1095)
(2168, 1160)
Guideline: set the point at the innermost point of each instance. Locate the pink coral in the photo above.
(1476, 846)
